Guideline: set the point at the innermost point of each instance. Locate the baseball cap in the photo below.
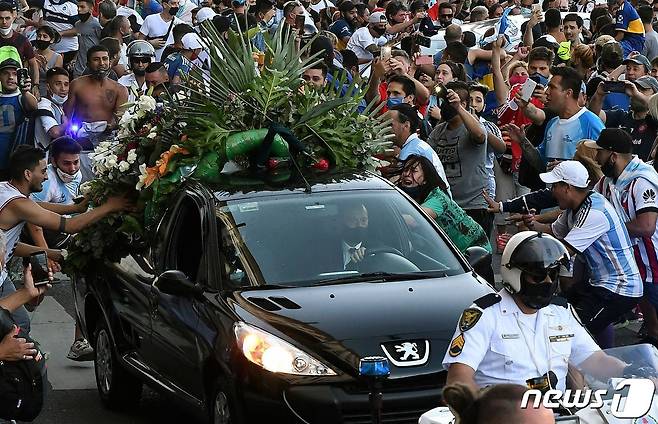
(647, 81)
(204, 14)
(640, 60)
(613, 139)
(191, 41)
(571, 172)
(377, 17)
(10, 63)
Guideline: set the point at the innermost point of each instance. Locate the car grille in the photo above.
(410, 416)
(423, 382)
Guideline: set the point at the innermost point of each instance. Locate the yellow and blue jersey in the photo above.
(629, 22)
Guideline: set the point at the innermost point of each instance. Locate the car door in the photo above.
(180, 331)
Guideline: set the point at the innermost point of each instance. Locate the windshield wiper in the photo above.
(382, 276)
(267, 287)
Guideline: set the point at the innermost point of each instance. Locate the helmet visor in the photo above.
(537, 255)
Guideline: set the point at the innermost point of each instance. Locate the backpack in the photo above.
(21, 382)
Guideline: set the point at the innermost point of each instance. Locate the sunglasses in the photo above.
(539, 276)
(140, 60)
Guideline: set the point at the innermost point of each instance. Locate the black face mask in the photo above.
(608, 168)
(173, 11)
(127, 39)
(139, 72)
(537, 295)
(447, 112)
(84, 16)
(379, 31)
(414, 192)
(41, 44)
(353, 236)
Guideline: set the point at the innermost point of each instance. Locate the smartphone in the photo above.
(299, 22)
(22, 74)
(424, 60)
(614, 86)
(535, 78)
(385, 53)
(39, 262)
(527, 89)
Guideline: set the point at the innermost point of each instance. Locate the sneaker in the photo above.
(81, 351)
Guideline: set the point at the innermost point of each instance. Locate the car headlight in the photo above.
(276, 355)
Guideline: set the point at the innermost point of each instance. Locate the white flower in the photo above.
(132, 156)
(152, 135)
(142, 177)
(111, 161)
(125, 119)
(146, 103)
(124, 166)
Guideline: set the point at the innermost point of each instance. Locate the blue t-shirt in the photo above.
(562, 136)
(616, 101)
(176, 64)
(12, 116)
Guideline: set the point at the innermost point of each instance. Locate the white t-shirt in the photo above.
(154, 26)
(130, 82)
(362, 39)
(61, 17)
(123, 55)
(126, 11)
(43, 124)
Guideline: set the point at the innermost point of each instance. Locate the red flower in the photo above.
(322, 165)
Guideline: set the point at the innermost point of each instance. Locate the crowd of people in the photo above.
(551, 131)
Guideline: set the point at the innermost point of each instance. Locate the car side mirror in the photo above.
(479, 259)
(176, 283)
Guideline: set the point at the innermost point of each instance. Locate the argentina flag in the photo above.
(503, 27)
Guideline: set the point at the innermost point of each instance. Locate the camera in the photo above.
(421, 40)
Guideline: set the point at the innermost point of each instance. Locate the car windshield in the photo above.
(329, 238)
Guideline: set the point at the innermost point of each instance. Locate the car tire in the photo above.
(223, 408)
(117, 388)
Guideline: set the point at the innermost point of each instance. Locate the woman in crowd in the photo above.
(420, 180)
(47, 58)
(446, 72)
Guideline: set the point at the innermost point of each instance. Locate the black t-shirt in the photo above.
(537, 30)
(643, 131)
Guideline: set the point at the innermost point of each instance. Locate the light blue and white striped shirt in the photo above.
(596, 230)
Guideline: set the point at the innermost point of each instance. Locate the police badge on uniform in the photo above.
(469, 318)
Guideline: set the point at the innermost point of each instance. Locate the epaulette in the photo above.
(488, 300)
(560, 301)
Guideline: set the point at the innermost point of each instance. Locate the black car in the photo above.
(262, 299)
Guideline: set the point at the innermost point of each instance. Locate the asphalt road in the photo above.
(72, 397)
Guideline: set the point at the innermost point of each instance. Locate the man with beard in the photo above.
(642, 126)
(346, 25)
(94, 102)
(631, 186)
(367, 41)
(590, 226)
(140, 54)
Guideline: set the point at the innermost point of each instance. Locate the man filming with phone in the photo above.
(16, 101)
(27, 173)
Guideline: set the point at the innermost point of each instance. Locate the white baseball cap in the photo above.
(571, 172)
(191, 41)
(377, 17)
(206, 13)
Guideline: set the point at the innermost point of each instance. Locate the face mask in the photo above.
(67, 178)
(517, 79)
(100, 74)
(127, 39)
(525, 11)
(84, 16)
(5, 31)
(173, 11)
(353, 236)
(542, 79)
(608, 168)
(41, 44)
(379, 31)
(139, 72)
(394, 101)
(537, 296)
(59, 100)
(414, 192)
(447, 112)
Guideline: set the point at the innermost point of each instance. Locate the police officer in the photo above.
(140, 55)
(518, 336)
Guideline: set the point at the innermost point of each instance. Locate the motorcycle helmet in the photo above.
(140, 48)
(528, 258)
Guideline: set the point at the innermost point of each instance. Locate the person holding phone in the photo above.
(27, 172)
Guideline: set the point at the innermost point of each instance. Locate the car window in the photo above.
(307, 239)
(185, 245)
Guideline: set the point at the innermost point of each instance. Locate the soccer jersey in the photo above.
(562, 136)
(57, 191)
(628, 21)
(596, 231)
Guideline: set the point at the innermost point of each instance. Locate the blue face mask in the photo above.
(542, 79)
(526, 11)
(394, 101)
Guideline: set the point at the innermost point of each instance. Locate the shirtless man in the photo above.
(94, 104)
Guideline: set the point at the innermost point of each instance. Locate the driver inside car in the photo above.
(354, 235)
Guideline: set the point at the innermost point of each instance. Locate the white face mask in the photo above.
(67, 178)
(5, 31)
(57, 99)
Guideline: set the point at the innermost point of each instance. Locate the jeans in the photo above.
(20, 316)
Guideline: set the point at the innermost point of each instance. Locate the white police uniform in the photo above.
(504, 345)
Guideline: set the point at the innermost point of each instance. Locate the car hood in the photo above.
(412, 322)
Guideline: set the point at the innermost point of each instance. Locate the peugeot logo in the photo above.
(408, 353)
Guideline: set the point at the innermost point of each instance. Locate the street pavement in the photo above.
(72, 397)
